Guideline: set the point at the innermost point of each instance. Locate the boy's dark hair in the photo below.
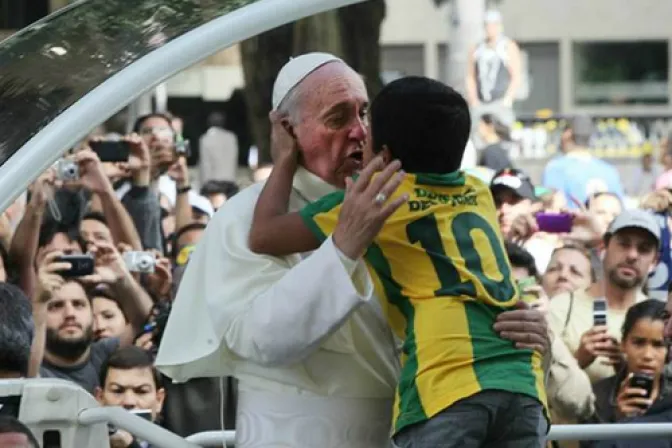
(16, 331)
(225, 187)
(424, 123)
(127, 358)
(9, 424)
(519, 257)
(141, 120)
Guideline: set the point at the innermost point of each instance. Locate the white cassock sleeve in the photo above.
(233, 303)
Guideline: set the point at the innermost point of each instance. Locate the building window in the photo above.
(402, 60)
(621, 73)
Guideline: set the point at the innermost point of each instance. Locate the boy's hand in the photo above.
(283, 144)
(367, 205)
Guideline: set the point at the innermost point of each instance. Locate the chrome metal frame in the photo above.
(72, 125)
(617, 431)
(135, 425)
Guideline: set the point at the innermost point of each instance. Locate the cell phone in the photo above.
(642, 381)
(81, 265)
(111, 151)
(144, 413)
(554, 222)
(599, 312)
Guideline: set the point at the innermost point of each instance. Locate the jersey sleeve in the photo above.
(321, 216)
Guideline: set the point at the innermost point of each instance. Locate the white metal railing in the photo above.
(606, 431)
(611, 431)
(213, 438)
(139, 427)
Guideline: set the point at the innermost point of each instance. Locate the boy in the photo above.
(440, 263)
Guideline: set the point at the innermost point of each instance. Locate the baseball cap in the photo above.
(582, 125)
(201, 203)
(493, 16)
(294, 71)
(635, 218)
(515, 180)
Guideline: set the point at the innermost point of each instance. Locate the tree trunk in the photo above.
(263, 56)
(467, 30)
(318, 33)
(360, 33)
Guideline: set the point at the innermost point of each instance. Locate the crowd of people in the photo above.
(411, 297)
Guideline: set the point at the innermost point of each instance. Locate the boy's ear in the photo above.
(386, 154)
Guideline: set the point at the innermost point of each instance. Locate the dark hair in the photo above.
(16, 331)
(141, 120)
(50, 229)
(602, 193)
(225, 187)
(188, 228)
(217, 119)
(95, 216)
(519, 257)
(502, 130)
(103, 291)
(424, 123)
(127, 358)
(648, 309)
(9, 424)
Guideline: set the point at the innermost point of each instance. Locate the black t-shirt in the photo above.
(86, 374)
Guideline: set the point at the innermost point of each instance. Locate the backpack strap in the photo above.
(569, 314)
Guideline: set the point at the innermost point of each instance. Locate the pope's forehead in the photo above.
(335, 77)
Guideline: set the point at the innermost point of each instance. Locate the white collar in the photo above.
(310, 186)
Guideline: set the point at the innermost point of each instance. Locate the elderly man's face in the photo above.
(333, 126)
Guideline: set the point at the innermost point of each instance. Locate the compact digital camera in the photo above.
(67, 170)
(143, 262)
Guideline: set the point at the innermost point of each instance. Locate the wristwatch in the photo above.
(182, 190)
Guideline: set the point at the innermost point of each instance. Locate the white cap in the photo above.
(493, 16)
(293, 72)
(201, 203)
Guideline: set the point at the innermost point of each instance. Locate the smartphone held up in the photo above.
(554, 222)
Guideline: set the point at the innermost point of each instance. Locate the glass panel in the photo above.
(47, 67)
(619, 73)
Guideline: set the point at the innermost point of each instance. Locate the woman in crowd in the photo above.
(568, 270)
(108, 318)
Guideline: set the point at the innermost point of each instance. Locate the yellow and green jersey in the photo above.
(440, 263)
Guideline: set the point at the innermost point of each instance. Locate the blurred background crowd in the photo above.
(565, 121)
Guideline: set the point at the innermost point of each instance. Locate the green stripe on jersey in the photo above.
(498, 364)
(408, 388)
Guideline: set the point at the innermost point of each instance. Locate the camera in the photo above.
(143, 262)
(67, 170)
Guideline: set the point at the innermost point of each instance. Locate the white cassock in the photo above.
(305, 336)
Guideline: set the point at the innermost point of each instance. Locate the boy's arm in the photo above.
(274, 231)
